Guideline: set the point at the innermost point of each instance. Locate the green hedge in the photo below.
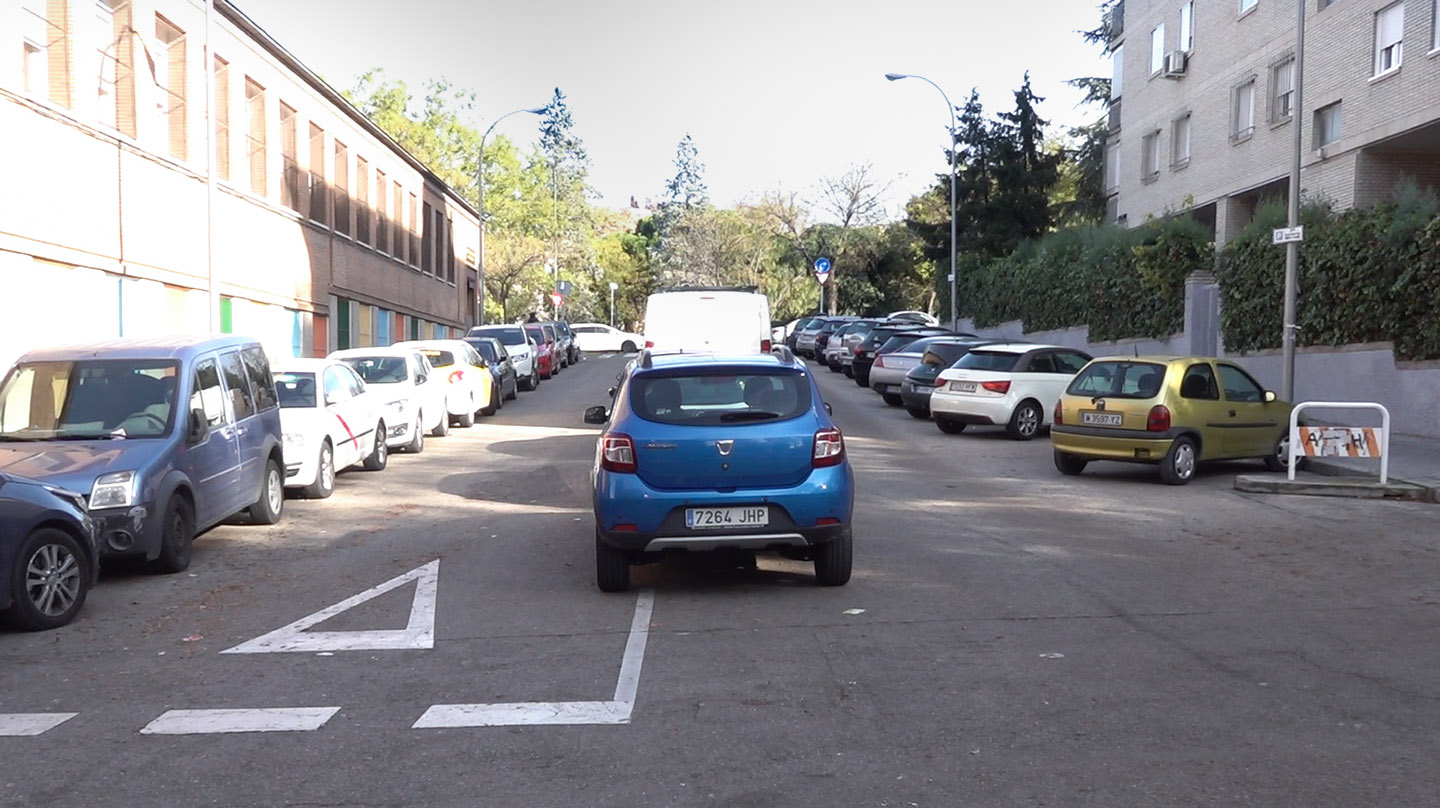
(1366, 275)
(1122, 283)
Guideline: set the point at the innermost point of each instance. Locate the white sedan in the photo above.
(330, 423)
(1014, 385)
(411, 393)
(601, 337)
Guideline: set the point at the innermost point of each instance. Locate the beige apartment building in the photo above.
(1203, 104)
(326, 233)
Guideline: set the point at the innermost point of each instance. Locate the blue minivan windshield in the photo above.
(88, 400)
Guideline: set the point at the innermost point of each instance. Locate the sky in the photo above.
(777, 94)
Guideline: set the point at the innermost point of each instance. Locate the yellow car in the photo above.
(1170, 411)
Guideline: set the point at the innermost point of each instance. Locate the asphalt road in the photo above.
(1010, 637)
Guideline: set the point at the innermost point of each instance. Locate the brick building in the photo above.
(1203, 105)
(326, 233)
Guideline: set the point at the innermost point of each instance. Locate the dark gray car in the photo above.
(49, 557)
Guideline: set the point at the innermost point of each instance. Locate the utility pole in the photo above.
(1292, 249)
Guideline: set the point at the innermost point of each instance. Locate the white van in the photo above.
(708, 320)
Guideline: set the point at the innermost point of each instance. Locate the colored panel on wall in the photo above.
(414, 328)
(364, 322)
(342, 323)
(227, 316)
(322, 334)
(382, 331)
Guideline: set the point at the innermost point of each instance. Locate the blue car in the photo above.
(164, 437)
(706, 452)
(49, 556)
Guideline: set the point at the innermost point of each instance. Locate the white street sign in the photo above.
(1287, 235)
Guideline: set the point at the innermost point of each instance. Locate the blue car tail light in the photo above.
(617, 453)
(829, 448)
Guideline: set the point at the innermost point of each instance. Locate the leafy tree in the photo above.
(514, 273)
(435, 135)
(687, 188)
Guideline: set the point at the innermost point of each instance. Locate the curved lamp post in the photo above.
(480, 187)
(954, 310)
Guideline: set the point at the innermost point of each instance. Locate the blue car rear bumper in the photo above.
(814, 512)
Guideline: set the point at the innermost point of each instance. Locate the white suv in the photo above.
(1011, 385)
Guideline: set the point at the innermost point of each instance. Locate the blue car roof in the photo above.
(678, 361)
(171, 347)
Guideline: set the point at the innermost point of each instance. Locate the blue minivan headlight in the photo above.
(115, 490)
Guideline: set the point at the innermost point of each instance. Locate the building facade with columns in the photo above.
(1203, 105)
(326, 234)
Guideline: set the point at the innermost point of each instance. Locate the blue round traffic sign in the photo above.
(822, 265)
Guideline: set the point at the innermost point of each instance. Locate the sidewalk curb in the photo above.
(1334, 485)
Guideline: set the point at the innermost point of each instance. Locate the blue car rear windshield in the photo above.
(709, 398)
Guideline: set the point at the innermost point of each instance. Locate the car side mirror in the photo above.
(330, 400)
(1269, 396)
(829, 410)
(596, 415)
(199, 426)
(421, 378)
(611, 391)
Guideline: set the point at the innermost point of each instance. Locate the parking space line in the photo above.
(262, 719)
(553, 713)
(17, 725)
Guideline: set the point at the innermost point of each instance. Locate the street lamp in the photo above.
(613, 287)
(1292, 249)
(480, 185)
(954, 310)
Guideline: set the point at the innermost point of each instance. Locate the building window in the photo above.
(362, 200)
(1112, 169)
(1157, 49)
(1180, 142)
(415, 225)
(114, 57)
(319, 195)
(397, 234)
(448, 245)
(1389, 31)
(1150, 156)
(427, 242)
(46, 63)
(1242, 116)
(255, 134)
(289, 158)
(1187, 26)
(222, 118)
(1282, 90)
(168, 66)
(1327, 125)
(1117, 75)
(382, 219)
(341, 177)
(1324, 4)
(1246, 5)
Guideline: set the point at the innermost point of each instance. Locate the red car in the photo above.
(545, 356)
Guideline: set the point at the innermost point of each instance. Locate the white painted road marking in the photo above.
(15, 725)
(543, 713)
(267, 719)
(418, 634)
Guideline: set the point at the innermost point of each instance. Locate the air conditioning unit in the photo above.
(1175, 64)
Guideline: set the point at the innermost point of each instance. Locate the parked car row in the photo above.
(1170, 412)
(131, 448)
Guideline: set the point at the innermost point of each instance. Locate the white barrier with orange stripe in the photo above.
(1340, 441)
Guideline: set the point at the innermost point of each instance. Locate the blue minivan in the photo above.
(104, 420)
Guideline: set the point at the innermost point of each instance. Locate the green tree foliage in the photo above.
(1365, 275)
(434, 134)
(687, 188)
